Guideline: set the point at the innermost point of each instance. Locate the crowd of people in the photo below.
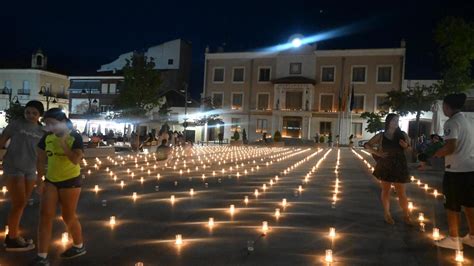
(49, 157)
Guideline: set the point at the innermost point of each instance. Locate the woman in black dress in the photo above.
(388, 147)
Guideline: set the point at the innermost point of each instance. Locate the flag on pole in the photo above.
(352, 99)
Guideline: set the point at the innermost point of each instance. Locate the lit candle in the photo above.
(459, 256)
(334, 197)
(211, 222)
(112, 221)
(426, 187)
(410, 206)
(421, 217)
(435, 193)
(256, 192)
(412, 178)
(141, 179)
(122, 183)
(172, 199)
(300, 188)
(246, 200)
(283, 203)
(418, 182)
(134, 196)
(6, 230)
(328, 258)
(265, 227)
(277, 213)
(65, 238)
(179, 240)
(191, 192)
(332, 232)
(435, 233)
(264, 187)
(96, 188)
(232, 209)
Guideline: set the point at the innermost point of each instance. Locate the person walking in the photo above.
(391, 167)
(458, 180)
(61, 150)
(19, 166)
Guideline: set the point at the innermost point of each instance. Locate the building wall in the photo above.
(342, 60)
(36, 79)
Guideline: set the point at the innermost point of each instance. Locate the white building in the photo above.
(35, 83)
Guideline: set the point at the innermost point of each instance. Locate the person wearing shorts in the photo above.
(458, 181)
(62, 151)
(19, 169)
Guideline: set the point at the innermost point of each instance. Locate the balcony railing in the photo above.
(24, 92)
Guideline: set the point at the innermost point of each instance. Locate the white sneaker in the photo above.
(449, 242)
(468, 240)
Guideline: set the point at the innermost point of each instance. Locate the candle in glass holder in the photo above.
(211, 222)
(134, 196)
(179, 240)
(65, 238)
(421, 217)
(332, 232)
(265, 227)
(459, 256)
(283, 203)
(112, 220)
(435, 233)
(328, 258)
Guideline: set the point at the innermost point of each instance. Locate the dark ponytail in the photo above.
(58, 114)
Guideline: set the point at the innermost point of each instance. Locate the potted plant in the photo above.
(236, 139)
(277, 140)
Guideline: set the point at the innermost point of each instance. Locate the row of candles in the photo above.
(459, 257)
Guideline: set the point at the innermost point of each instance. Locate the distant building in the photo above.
(172, 59)
(33, 82)
(301, 92)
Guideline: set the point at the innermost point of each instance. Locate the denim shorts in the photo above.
(16, 172)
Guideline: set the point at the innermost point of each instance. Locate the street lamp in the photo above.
(46, 92)
(10, 99)
(185, 124)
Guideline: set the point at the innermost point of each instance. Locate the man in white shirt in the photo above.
(458, 181)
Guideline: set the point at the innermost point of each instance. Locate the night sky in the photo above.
(79, 36)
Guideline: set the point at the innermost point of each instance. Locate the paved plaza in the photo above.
(337, 190)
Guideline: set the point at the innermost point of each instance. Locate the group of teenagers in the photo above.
(389, 147)
(32, 147)
(46, 157)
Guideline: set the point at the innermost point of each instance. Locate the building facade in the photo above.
(172, 59)
(301, 92)
(34, 83)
